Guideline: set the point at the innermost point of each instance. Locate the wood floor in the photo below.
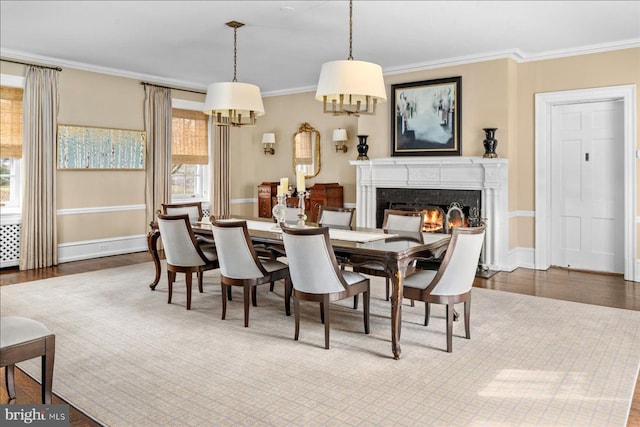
(589, 288)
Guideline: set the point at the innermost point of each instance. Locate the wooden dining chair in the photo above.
(194, 210)
(23, 339)
(241, 266)
(395, 221)
(452, 282)
(335, 217)
(183, 253)
(316, 276)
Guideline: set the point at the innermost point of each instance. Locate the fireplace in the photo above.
(473, 182)
(442, 208)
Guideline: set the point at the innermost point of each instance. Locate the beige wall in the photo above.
(497, 93)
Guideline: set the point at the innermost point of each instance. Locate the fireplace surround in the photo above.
(488, 176)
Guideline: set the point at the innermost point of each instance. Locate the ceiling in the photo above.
(284, 43)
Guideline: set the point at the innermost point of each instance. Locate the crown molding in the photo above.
(515, 54)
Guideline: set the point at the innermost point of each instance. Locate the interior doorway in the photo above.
(587, 195)
(545, 104)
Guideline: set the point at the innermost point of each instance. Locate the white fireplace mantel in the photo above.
(455, 173)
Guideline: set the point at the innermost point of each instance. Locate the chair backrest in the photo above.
(399, 220)
(291, 215)
(194, 210)
(312, 263)
(458, 269)
(236, 255)
(180, 246)
(340, 217)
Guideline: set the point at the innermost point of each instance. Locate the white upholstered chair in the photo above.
(394, 221)
(23, 339)
(316, 276)
(335, 217)
(183, 253)
(241, 266)
(452, 282)
(193, 209)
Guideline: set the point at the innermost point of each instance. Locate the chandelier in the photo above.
(350, 87)
(233, 103)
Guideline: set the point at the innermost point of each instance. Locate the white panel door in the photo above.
(587, 186)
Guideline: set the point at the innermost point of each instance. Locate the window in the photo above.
(10, 145)
(189, 154)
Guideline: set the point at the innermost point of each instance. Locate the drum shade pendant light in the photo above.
(233, 103)
(350, 87)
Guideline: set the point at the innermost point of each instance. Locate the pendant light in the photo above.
(350, 87)
(233, 103)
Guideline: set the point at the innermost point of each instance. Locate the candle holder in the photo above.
(279, 210)
(302, 217)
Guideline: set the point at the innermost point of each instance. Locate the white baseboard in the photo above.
(636, 271)
(521, 258)
(75, 251)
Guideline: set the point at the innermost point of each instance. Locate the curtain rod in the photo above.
(33, 65)
(172, 88)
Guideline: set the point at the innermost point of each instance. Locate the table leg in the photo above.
(396, 309)
(152, 244)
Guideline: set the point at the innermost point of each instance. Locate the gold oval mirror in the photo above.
(306, 151)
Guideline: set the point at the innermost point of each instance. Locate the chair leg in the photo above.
(296, 314)
(224, 292)
(254, 297)
(322, 312)
(47, 368)
(245, 301)
(326, 321)
(271, 286)
(467, 317)
(200, 280)
(187, 280)
(9, 380)
(427, 312)
(229, 293)
(449, 328)
(366, 296)
(171, 277)
(355, 302)
(287, 297)
(388, 288)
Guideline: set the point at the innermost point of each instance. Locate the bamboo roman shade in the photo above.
(189, 137)
(10, 122)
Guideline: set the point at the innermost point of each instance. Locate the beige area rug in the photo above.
(128, 358)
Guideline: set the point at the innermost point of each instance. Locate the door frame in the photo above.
(543, 105)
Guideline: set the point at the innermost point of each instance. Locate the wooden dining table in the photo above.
(393, 251)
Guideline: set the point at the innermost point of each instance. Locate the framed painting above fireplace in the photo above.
(425, 118)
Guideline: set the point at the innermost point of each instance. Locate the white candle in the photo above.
(280, 192)
(284, 183)
(300, 181)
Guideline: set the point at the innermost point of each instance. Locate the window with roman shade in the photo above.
(10, 146)
(189, 153)
(10, 122)
(189, 137)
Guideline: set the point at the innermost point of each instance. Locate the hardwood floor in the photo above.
(584, 287)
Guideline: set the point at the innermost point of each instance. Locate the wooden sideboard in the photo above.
(326, 195)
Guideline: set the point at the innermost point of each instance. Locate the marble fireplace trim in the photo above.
(490, 176)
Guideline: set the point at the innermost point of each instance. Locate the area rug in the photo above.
(126, 357)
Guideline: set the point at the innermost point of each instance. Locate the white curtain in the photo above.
(220, 187)
(38, 233)
(157, 123)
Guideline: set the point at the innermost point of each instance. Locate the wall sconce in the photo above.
(268, 140)
(339, 138)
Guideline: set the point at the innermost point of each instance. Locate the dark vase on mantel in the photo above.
(362, 147)
(490, 143)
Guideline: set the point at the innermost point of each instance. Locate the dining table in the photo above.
(395, 252)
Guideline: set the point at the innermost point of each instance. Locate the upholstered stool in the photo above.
(23, 339)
